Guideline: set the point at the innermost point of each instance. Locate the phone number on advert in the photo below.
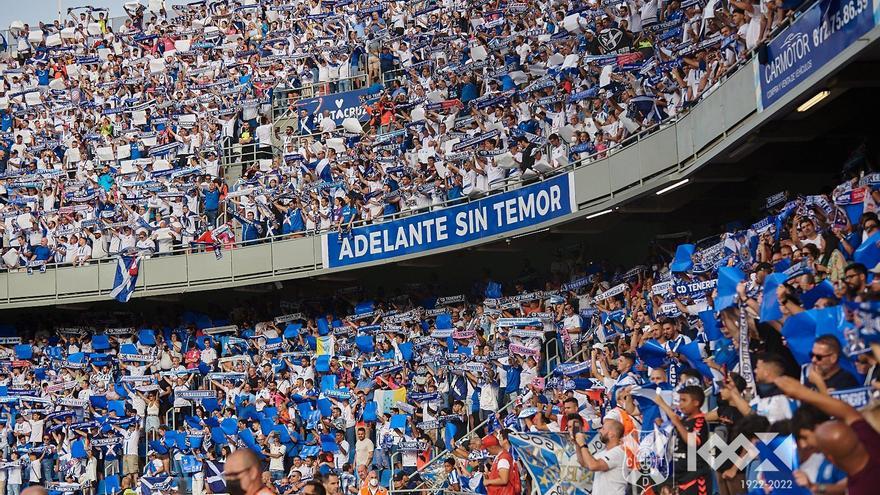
(848, 12)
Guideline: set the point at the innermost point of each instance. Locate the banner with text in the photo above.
(525, 207)
(822, 32)
(341, 105)
(552, 461)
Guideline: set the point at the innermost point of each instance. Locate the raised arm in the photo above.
(827, 404)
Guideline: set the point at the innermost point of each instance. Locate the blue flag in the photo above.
(682, 261)
(214, 476)
(147, 337)
(691, 352)
(545, 453)
(126, 278)
(711, 326)
(155, 484)
(821, 290)
(653, 354)
(868, 253)
(769, 304)
(728, 278)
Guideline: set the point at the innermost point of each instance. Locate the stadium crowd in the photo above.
(353, 394)
(114, 139)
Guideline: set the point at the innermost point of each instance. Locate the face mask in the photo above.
(233, 487)
(373, 482)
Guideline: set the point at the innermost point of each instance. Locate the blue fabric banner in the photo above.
(551, 459)
(821, 33)
(524, 207)
(341, 105)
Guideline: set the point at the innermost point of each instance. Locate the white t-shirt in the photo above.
(488, 397)
(277, 463)
(132, 438)
(14, 477)
(34, 471)
(362, 450)
(165, 238)
(610, 482)
(36, 430)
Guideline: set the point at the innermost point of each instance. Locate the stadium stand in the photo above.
(124, 140)
(392, 388)
(121, 140)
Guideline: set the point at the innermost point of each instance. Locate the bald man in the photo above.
(848, 441)
(243, 474)
(34, 490)
(608, 463)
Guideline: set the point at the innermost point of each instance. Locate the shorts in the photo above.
(697, 486)
(130, 464)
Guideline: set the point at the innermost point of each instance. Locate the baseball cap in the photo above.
(489, 441)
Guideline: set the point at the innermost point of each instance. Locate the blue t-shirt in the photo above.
(454, 193)
(212, 199)
(389, 209)
(42, 76)
(42, 253)
(513, 378)
(347, 213)
(105, 181)
(294, 222)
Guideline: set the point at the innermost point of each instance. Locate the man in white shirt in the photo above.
(363, 449)
(327, 122)
(340, 458)
(304, 471)
(22, 427)
(36, 424)
(164, 237)
(276, 458)
(607, 464)
(209, 355)
(83, 252)
(131, 439)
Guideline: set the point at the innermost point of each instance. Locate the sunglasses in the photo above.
(819, 357)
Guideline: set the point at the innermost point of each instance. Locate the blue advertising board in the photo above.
(525, 207)
(341, 105)
(822, 32)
